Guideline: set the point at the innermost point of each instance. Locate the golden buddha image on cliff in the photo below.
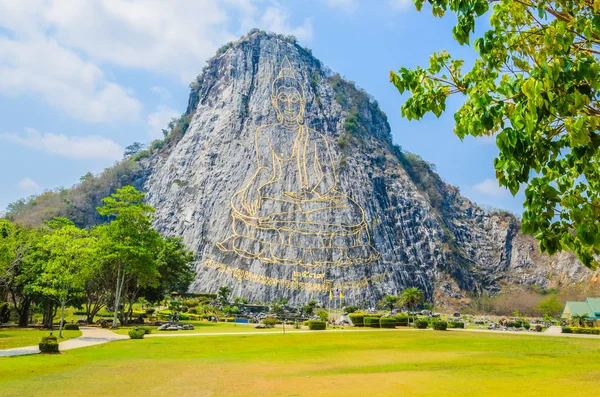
(291, 212)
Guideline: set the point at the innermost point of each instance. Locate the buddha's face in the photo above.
(288, 102)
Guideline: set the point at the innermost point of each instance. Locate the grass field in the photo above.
(10, 337)
(405, 362)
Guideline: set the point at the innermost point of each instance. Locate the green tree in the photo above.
(411, 297)
(69, 251)
(175, 266)
(277, 307)
(389, 301)
(534, 85)
(128, 244)
(133, 149)
(309, 308)
(18, 270)
(550, 306)
(579, 319)
(223, 295)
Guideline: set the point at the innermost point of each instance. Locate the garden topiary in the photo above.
(402, 320)
(388, 322)
(49, 344)
(440, 325)
(357, 318)
(372, 322)
(456, 324)
(269, 321)
(137, 333)
(316, 325)
(567, 330)
(72, 327)
(147, 330)
(538, 328)
(421, 324)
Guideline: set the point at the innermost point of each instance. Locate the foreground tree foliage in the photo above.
(69, 252)
(59, 264)
(534, 85)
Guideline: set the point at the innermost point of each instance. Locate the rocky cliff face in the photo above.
(286, 184)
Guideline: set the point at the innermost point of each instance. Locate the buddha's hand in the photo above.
(251, 205)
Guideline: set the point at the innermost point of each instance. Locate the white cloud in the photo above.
(28, 185)
(345, 5)
(400, 5)
(490, 187)
(74, 147)
(31, 63)
(57, 48)
(158, 120)
(276, 19)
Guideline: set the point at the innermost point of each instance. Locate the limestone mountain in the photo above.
(284, 180)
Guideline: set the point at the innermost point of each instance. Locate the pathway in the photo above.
(90, 336)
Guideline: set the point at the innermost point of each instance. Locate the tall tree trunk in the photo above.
(120, 281)
(62, 318)
(48, 315)
(24, 313)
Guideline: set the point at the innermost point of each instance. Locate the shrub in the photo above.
(137, 333)
(456, 324)
(421, 324)
(538, 328)
(49, 344)
(402, 320)
(372, 322)
(316, 325)
(526, 325)
(388, 322)
(150, 311)
(350, 309)
(147, 330)
(72, 327)
(357, 319)
(440, 325)
(581, 330)
(269, 321)
(305, 323)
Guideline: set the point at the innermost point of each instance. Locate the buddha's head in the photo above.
(288, 95)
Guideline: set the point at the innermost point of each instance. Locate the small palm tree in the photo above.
(579, 319)
(389, 301)
(411, 297)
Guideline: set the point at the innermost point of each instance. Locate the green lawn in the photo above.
(10, 337)
(405, 362)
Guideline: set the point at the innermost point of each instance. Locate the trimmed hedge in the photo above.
(49, 344)
(269, 321)
(372, 322)
(357, 319)
(421, 324)
(581, 330)
(137, 333)
(71, 327)
(538, 328)
(317, 325)
(402, 320)
(388, 322)
(440, 325)
(456, 324)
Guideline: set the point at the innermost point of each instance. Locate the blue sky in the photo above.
(82, 80)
